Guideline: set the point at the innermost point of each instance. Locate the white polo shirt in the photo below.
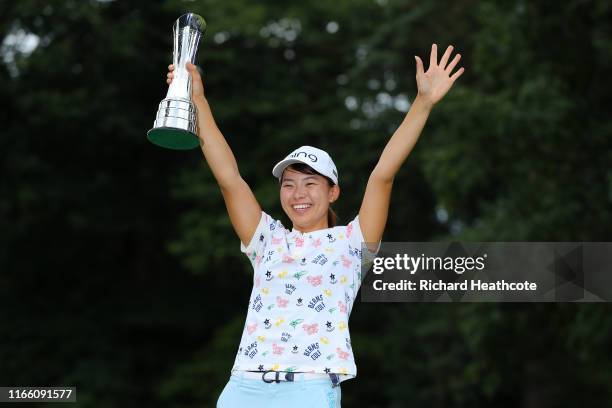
(304, 287)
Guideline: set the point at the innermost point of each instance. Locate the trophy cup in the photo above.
(175, 123)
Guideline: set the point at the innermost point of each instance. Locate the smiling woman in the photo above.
(295, 347)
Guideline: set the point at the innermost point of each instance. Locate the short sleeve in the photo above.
(260, 239)
(365, 257)
(356, 239)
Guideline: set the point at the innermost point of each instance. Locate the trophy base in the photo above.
(175, 125)
(173, 138)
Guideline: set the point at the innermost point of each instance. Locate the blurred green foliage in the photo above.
(119, 270)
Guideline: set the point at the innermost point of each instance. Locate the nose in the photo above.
(299, 192)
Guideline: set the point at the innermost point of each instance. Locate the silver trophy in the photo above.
(175, 124)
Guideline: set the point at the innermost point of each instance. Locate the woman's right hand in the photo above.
(197, 87)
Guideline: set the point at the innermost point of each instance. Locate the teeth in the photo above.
(301, 206)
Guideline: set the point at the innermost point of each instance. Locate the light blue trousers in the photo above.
(302, 393)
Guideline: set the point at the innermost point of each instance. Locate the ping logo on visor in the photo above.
(311, 156)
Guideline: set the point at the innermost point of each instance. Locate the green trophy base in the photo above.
(173, 138)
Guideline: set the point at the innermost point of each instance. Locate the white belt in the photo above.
(271, 375)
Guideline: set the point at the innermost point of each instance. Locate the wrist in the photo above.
(423, 103)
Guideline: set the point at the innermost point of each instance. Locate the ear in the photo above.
(334, 193)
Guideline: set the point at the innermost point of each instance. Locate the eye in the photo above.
(311, 184)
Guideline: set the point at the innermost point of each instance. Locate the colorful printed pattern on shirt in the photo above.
(304, 287)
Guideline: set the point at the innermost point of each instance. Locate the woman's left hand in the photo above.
(436, 82)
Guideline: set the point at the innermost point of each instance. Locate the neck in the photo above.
(315, 227)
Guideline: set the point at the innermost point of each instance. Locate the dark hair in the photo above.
(332, 218)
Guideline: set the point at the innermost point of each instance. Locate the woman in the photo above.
(295, 348)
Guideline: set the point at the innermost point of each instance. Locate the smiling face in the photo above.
(305, 198)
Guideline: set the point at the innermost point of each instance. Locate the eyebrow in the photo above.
(305, 178)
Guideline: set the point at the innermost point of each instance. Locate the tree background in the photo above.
(120, 273)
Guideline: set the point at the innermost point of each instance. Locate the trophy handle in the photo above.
(187, 32)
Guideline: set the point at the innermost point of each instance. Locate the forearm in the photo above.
(403, 140)
(217, 152)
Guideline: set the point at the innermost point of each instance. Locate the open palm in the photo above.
(436, 82)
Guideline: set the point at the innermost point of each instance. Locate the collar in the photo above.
(312, 234)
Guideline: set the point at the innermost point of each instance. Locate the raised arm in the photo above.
(242, 206)
(432, 86)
